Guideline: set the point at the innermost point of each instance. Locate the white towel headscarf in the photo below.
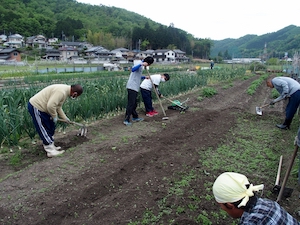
(231, 187)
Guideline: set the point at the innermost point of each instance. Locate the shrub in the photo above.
(256, 66)
(208, 91)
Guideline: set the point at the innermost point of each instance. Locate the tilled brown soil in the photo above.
(116, 173)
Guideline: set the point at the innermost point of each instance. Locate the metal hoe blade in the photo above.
(82, 130)
(258, 111)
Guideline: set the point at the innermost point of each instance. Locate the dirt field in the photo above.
(117, 173)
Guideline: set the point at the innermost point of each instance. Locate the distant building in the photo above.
(14, 41)
(10, 54)
(52, 54)
(242, 60)
(164, 55)
(52, 41)
(38, 41)
(3, 38)
(68, 53)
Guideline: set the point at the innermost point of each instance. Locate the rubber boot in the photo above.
(57, 147)
(286, 125)
(51, 150)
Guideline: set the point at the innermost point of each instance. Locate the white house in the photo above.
(52, 41)
(164, 55)
(3, 38)
(14, 41)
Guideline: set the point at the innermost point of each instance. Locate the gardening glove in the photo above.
(272, 102)
(297, 141)
(55, 119)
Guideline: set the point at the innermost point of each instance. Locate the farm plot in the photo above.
(155, 172)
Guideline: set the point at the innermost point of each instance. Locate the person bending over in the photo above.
(236, 195)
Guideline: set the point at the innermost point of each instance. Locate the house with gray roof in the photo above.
(38, 41)
(10, 54)
(14, 41)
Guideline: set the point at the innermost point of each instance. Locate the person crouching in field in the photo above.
(45, 108)
(236, 195)
(146, 88)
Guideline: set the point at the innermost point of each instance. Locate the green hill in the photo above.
(277, 43)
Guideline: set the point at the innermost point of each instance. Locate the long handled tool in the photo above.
(287, 174)
(287, 192)
(183, 108)
(161, 106)
(276, 188)
(82, 130)
(259, 109)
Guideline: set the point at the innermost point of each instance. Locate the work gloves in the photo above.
(272, 102)
(55, 119)
(297, 141)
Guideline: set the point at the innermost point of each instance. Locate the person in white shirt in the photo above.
(146, 88)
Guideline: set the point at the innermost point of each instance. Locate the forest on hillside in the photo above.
(110, 27)
(286, 40)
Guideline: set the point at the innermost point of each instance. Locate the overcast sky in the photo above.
(218, 19)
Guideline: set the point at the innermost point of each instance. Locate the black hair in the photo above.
(77, 88)
(148, 60)
(252, 201)
(167, 76)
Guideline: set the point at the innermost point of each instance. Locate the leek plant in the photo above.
(103, 94)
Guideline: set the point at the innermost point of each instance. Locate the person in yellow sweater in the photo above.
(45, 108)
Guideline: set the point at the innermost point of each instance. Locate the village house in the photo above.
(68, 53)
(180, 56)
(52, 54)
(164, 55)
(3, 38)
(38, 41)
(10, 54)
(98, 54)
(144, 54)
(14, 41)
(52, 41)
(120, 55)
(71, 50)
